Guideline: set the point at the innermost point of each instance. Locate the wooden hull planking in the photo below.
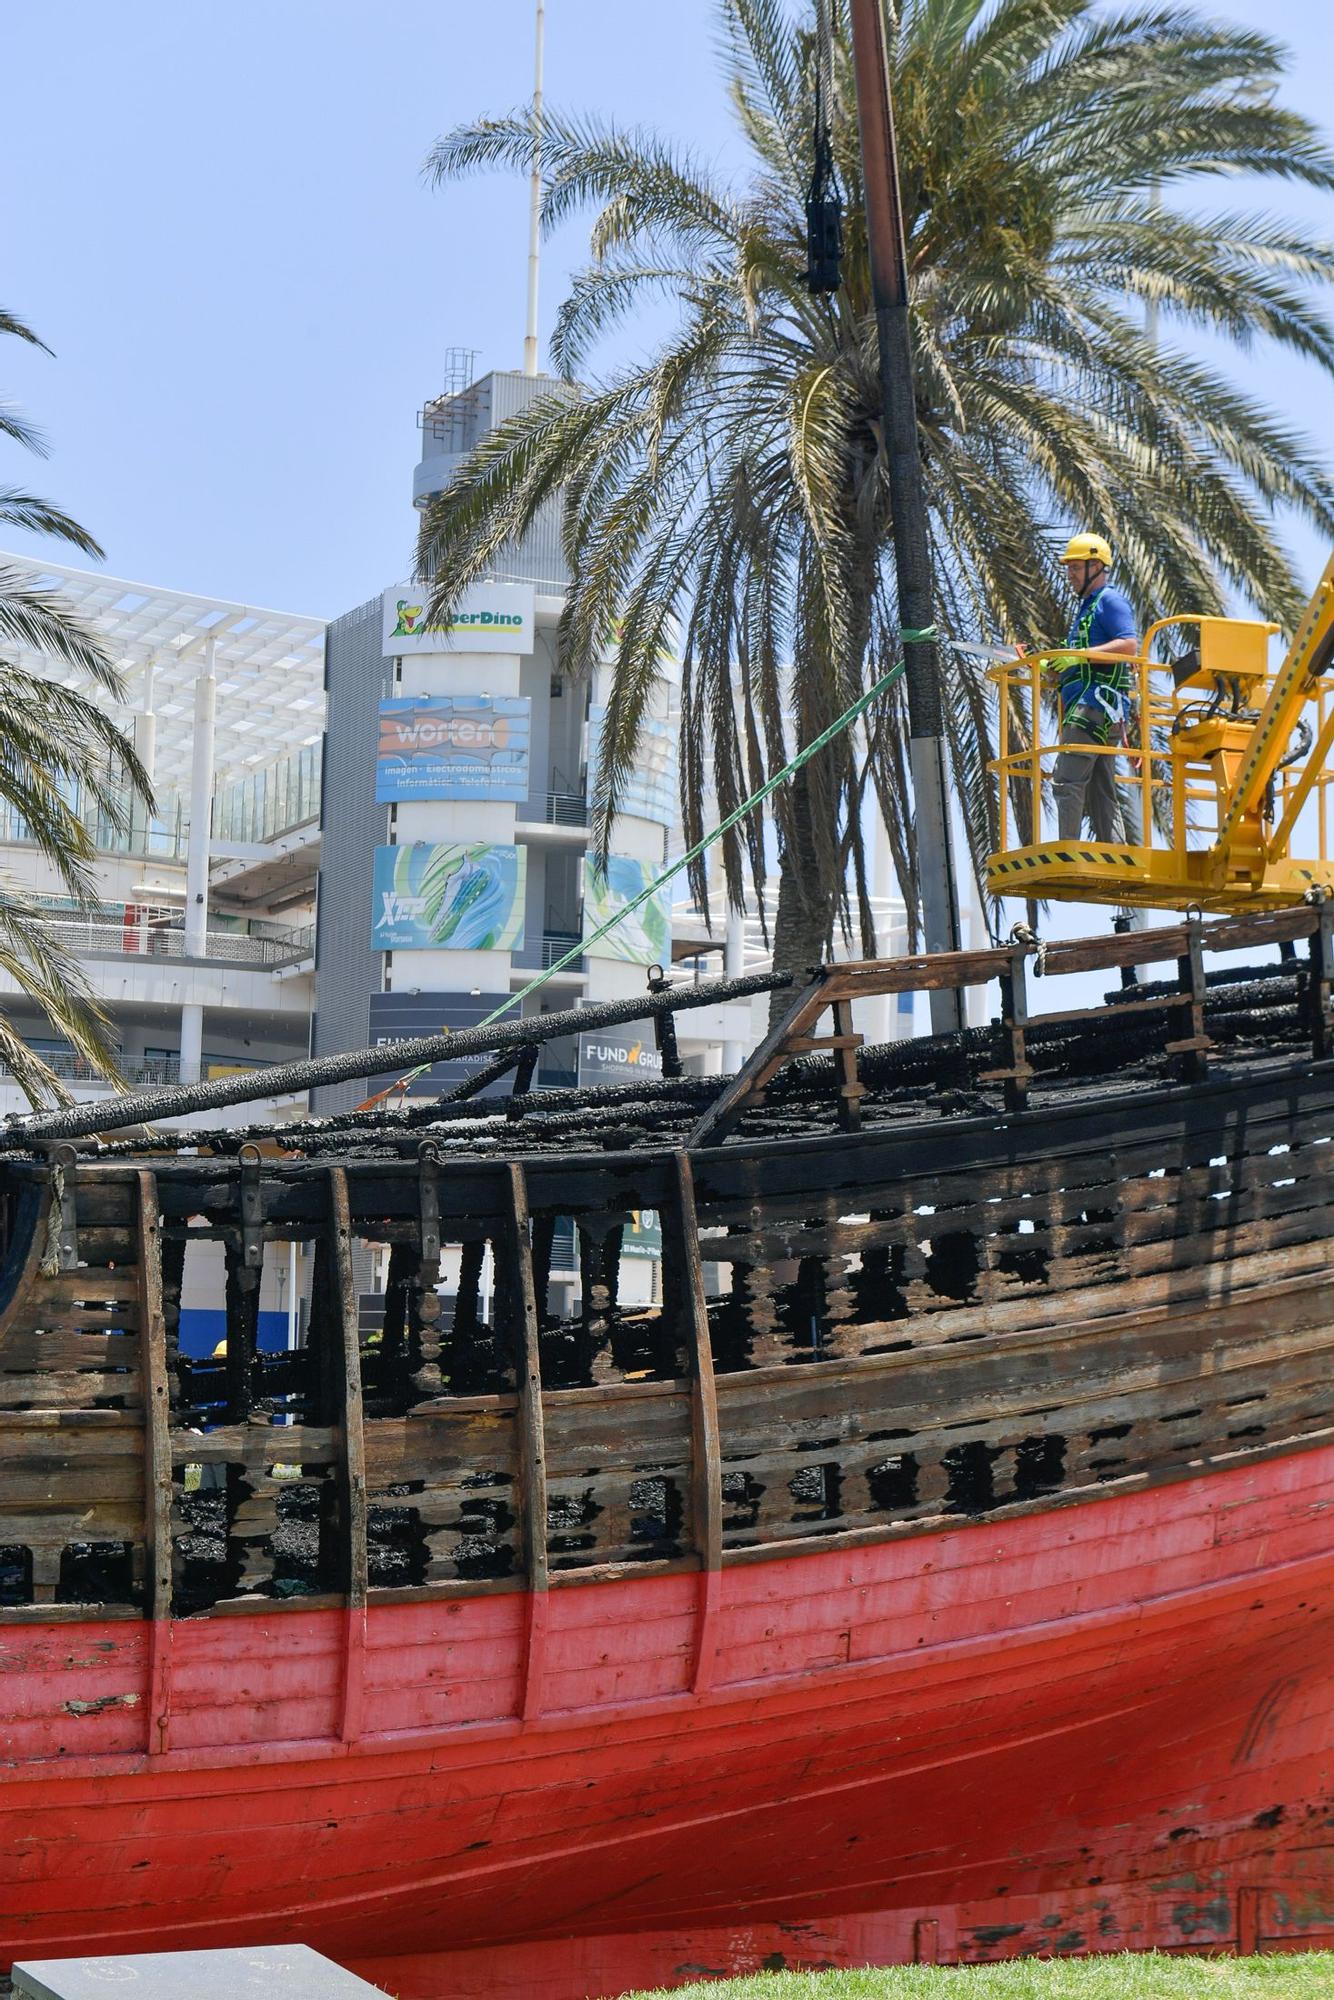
(1087, 1730)
(941, 1571)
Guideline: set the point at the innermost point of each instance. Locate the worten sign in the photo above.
(492, 618)
(400, 1017)
(453, 746)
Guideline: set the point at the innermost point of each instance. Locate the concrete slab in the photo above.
(278, 1972)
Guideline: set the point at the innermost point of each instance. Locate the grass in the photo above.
(1128, 1976)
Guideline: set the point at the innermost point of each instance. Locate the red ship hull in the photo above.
(1099, 1727)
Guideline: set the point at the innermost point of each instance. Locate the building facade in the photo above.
(456, 867)
(200, 945)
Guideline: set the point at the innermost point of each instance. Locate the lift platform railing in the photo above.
(1187, 742)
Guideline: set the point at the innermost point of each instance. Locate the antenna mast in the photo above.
(535, 201)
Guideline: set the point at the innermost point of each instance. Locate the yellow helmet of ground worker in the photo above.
(1088, 548)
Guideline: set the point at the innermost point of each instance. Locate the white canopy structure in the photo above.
(268, 666)
(214, 690)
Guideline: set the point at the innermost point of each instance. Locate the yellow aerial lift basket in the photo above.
(1224, 761)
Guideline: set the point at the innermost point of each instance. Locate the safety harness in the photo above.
(1095, 694)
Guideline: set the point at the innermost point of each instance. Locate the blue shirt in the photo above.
(1095, 692)
(1112, 619)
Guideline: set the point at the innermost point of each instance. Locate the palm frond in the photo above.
(732, 486)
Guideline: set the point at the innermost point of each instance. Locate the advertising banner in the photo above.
(453, 746)
(491, 618)
(448, 895)
(619, 1055)
(642, 1235)
(650, 790)
(644, 938)
(400, 1017)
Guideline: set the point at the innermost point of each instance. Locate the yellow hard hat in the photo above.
(1087, 548)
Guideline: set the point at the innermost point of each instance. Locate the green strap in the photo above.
(758, 798)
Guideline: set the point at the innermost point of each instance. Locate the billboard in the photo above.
(448, 896)
(644, 938)
(400, 1017)
(619, 1055)
(649, 791)
(453, 746)
(642, 1235)
(490, 618)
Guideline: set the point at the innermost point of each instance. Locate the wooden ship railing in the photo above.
(878, 1318)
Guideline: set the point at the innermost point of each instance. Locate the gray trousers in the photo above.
(1087, 783)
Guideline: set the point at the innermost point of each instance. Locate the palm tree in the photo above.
(57, 748)
(732, 486)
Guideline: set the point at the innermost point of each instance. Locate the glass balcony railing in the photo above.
(260, 807)
(165, 837)
(273, 801)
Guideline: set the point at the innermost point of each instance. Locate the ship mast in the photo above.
(910, 532)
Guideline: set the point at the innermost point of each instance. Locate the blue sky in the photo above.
(215, 216)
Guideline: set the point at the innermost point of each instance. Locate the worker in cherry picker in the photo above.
(1094, 696)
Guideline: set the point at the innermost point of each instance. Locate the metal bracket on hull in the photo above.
(1017, 1076)
(1194, 1046)
(252, 1216)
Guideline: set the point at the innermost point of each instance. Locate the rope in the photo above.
(907, 634)
(824, 49)
(1029, 939)
(50, 1265)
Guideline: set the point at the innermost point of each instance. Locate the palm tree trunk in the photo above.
(804, 921)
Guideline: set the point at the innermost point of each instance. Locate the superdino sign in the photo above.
(494, 618)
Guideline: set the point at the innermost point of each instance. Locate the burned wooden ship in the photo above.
(941, 1572)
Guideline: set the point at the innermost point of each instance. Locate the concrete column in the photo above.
(145, 738)
(145, 743)
(197, 858)
(192, 1042)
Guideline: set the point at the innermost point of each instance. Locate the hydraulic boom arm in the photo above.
(1310, 655)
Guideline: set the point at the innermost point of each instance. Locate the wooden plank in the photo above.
(917, 973)
(54, 1527)
(117, 1430)
(157, 1467)
(706, 1493)
(1249, 1903)
(71, 1287)
(756, 1071)
(72, 1392)
(256, 1447)
(532, 1441)
(346, 1377)
(70, 1351)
